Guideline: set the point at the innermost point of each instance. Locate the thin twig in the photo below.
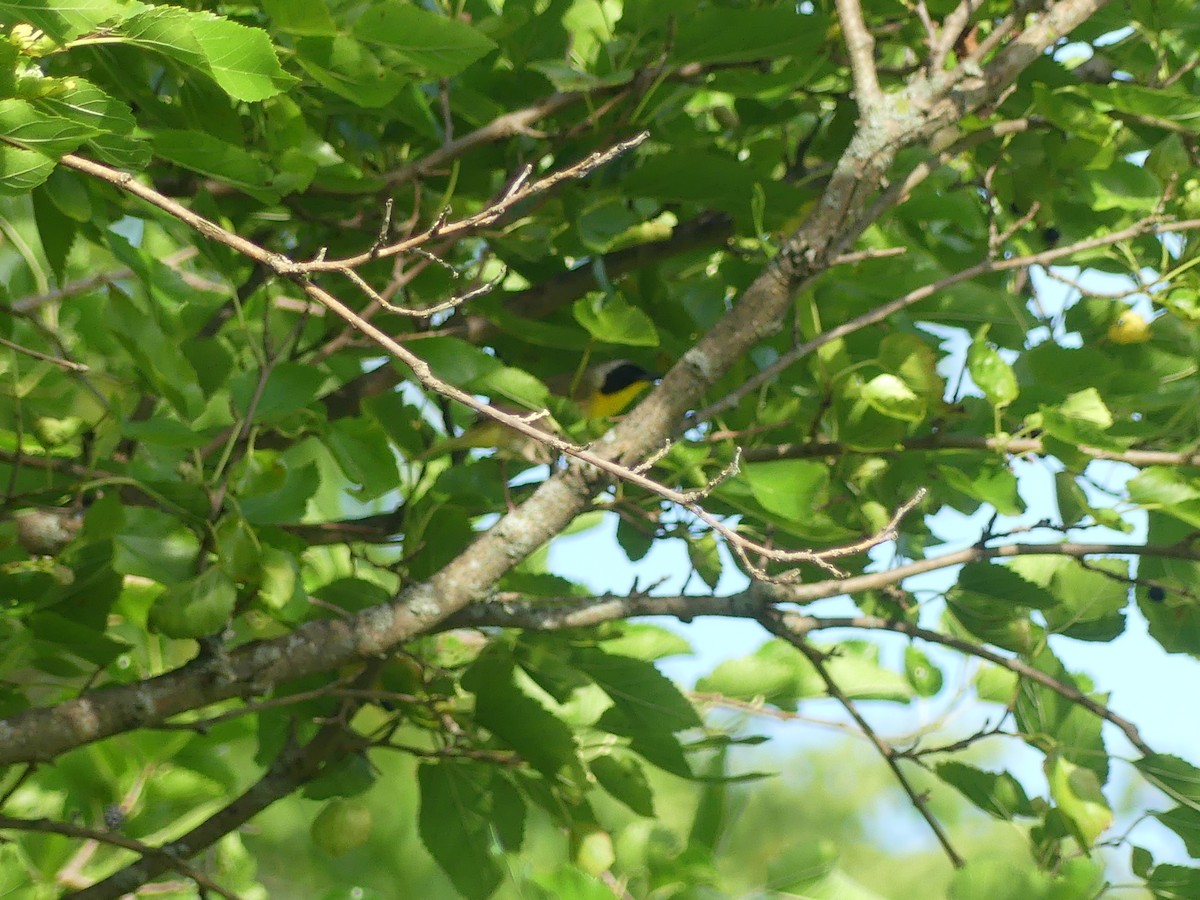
(44, 357)
(936, 443)
(777, 625)
(879, 313)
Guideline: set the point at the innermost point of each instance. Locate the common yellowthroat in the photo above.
(1129, 328)
(601, 391)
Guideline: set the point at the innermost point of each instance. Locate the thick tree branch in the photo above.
(861, 47)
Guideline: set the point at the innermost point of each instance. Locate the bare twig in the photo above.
(947, 443)
(44, 357)
(777, 624)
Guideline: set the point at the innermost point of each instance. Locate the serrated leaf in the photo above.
(1177, 778)
(239, 58)
(213, 158)
(646, 695)
(510, 713)
(625, 780)
(439, 45)
(1003, 584)
(454, 827)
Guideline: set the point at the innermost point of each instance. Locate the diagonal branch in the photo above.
(1149, 225)
(165, 858)
(777, 624)
(295, 766)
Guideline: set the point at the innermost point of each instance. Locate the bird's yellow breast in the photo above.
(601, 406)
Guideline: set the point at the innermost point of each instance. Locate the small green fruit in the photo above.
(342, 825)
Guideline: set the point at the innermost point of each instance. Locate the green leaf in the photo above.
(1055, 724)
(285, 500)
(925, 677)
(1004, 584)
(1120, 185)
(647, 696)
(1185, 822)
(364, 455)
(63, 21)
(1169, 882)
(82, 102)
(854, 667)
(991, 373)
(1175, 777)
(635, 538)
(767, 676)
(345, 67)
(717, 34)
(22, 170)
(788, 488)
(612, 319)
(507, 710)
(642, 640)
(289, 388)
(991, 878)
(240, 59)
(999, 795)
(992, 483)
(311, 18)
(25, 125)
(195, 608)
(439, 45)
(1082, 418)
(68, 635)
(454, 827)
(889, 395)
(625, 780)
(1076, 791)
(704, 553)
(1090, 602)
(213, 158)
(239, 552)
(1170, 105)
(279, 580)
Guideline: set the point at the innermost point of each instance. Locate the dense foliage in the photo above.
(263, 260)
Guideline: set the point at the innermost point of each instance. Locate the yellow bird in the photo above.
(601, 391)
(1129, 328)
